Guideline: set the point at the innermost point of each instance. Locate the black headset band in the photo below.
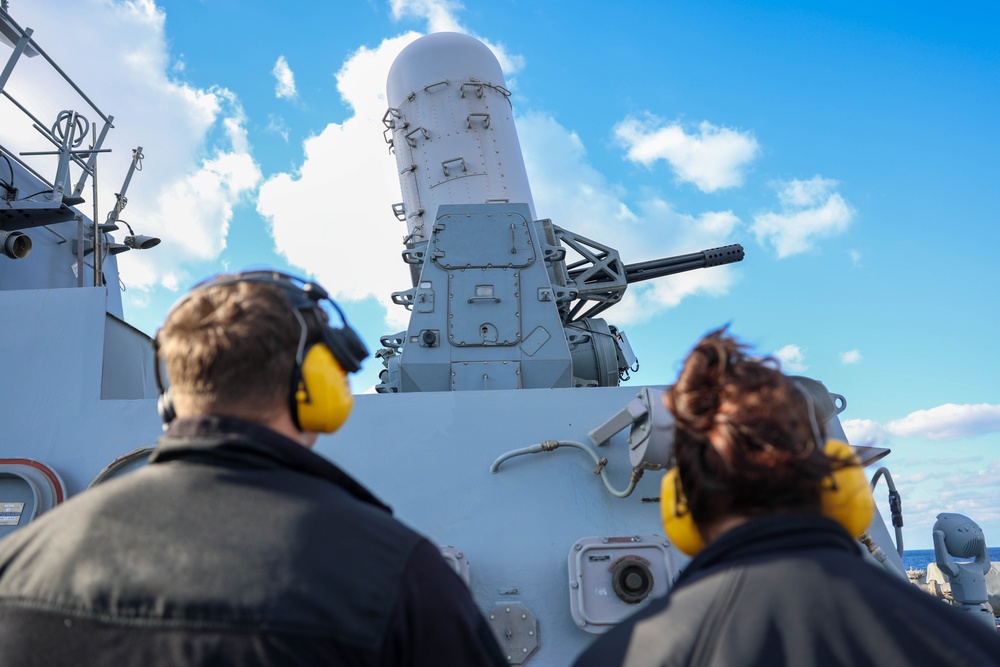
(304, 296)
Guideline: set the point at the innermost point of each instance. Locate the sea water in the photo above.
(917, 559)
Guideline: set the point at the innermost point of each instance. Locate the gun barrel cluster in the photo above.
(667, 266)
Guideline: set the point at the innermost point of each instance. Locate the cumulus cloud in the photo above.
(357, 193)
(333, 206)
(988, 477)
(567, 189)
(945, 422)
(440, 16)
(792, 359)
(284, 80)
(711, 157)
(949, 421)
(851, 357)
(810, 211)
(198, 163)
(277, 124)
(865, 432)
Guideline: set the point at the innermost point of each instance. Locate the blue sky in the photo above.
(850, 147)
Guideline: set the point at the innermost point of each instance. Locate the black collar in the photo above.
(220, 439)
(764, 537)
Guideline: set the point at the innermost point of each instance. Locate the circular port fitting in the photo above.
(631, 579)
(15, 244)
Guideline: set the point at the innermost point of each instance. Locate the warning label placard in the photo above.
(10, 513)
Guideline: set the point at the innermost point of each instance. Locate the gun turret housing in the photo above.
(494, 302)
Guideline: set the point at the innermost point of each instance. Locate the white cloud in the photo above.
(955, 461)
(949, 421)
(792, 359)
(354, 248)
(711, 157)
(440, 17)
(988, 477)
(277, 124)
(864, 432)
(851, 357)
(944, 422)
(439, 14)
(567, 189)
(332, 216)
(197, 164)
(341, 248)
(810, 210)
(284, 80)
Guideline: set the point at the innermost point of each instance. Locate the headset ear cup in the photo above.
(165, 406)
(323, 397)
(347, 348)
(677, 521)
(846, 497)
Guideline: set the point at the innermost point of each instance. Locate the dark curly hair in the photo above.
(745, 444)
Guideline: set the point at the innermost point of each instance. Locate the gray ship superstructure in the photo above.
(78, 389)
(500, 428)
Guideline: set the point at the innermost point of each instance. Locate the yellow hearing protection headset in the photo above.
(320, 399)
(845, 498)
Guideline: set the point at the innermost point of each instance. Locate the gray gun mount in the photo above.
(496, 306)
(499, 298)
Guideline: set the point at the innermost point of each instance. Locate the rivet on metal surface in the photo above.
(517, 633)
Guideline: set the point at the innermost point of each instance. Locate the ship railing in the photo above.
(64, 134)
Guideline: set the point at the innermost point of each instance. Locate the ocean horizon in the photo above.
(917, 559)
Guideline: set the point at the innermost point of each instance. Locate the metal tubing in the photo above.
(22, 44)
(26, 32)
(91, 166)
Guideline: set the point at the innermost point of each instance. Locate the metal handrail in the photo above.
(56, 67)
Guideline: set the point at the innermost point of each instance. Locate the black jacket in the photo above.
(793, 590)
(235, 546)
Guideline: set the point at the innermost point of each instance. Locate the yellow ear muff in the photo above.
(677, 521)
(846, 497)
(323, 398)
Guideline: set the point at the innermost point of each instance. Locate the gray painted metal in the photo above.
(517, 526)
(77, 389)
